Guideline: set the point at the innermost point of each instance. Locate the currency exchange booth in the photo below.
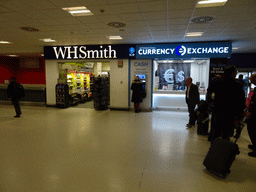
(173, 63)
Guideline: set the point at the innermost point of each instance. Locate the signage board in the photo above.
(145, 51)
(184, 50)
(75, 52)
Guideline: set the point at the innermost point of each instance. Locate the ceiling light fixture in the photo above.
(13, 55)
(210, 3)
(78, 11)
(114, 37)
(47, 40)
(194, 34)
(5, 42)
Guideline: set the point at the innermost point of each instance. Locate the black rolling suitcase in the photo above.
(221, 155)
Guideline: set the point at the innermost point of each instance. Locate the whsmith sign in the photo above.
(90, 52)
(184, 50)
(146, 51)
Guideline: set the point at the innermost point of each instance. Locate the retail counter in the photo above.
(171, 100)
(34, 92)
(171, 92)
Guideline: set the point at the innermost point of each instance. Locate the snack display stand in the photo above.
(75, 87)
(101, 93)
(62, 95)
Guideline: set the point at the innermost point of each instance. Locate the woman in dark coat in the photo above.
(137, 93)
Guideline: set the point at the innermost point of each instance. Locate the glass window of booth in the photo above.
(170, 75)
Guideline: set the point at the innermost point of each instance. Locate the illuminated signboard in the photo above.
(184, 50)
(82, 52)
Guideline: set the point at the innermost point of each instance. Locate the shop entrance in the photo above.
(169, 81)
(81, 79)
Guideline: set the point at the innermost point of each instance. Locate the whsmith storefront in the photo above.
(162, 67)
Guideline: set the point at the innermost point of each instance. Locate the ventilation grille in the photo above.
(29, 29)
(116, 24)
(203, 19)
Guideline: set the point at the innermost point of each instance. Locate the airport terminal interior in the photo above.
(82, 149)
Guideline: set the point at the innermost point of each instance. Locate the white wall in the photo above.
(119, 86)
(200, 72)
(52, 75)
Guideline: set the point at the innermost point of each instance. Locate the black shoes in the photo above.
(252, 154)
(17, 116)
(251, 147)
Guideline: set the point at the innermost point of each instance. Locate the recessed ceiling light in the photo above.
(210, 3)
(47, 40)
(78, 11)
(5, 42)
(114, 37)
(194, 34)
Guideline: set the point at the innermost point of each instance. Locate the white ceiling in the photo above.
(147, 21)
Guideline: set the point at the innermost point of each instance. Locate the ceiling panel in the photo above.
(122, 8)
(57, 13)
(15, 16)
(147, 21)
(132, 17)
(180, 13)
(108, 10)
(93, 2)
(36, 14)
(15, 5)
(155, 15)
(110, 18)
(65, 3)
(152, 6)
(89, 19)
(38, 5)
(181, 4)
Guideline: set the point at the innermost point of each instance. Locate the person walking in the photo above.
(229, 103)
(14, 95)
(192, 99)
(137, 93)
(251, 119)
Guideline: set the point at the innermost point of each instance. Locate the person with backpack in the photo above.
(15, 92)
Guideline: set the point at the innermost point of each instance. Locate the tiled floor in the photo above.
(83, 150)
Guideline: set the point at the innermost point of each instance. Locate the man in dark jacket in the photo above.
(229, 103)
(12, 94)
(192, 99)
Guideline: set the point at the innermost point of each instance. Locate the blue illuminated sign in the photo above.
(184, 50)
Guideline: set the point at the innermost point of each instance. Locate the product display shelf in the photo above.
(101, 93)
(62, 95)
